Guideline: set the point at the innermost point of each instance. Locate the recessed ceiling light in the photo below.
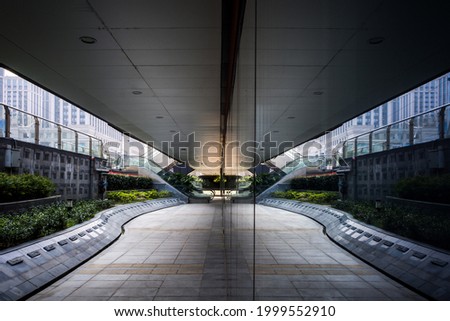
(136, 92)
(160, 117)
(291, 117)
(88, 40)
(375, 40)
(318, 93)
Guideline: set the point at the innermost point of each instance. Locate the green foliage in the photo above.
(317, 197)
(264, 180)
(124, 197)
(425, 188)
(45, 220)
(124, 182)
(317, 183)
(218, 180)
(24, 187)
(182, 182)
(417, 224)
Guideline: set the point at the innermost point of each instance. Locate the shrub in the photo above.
(417, 224)
(124, 182)
(24, 187)
(45, 220)
(124, 197)
(182, 182)
(425, 188)
(317, 183)
(317, 197)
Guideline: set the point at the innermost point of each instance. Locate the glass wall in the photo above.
(238, 216)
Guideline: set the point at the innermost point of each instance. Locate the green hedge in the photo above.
(136, 196)
(182, 182)
(425, 188)
(317, 183)
(123, 182)
(417, 224)
(45, 220)
(22, 187)
(317, 197)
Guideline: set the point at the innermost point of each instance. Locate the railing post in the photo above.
(76, 141)
(370, 142)
(388, 137)
(411, 131)
(355, 150)
(7, 121)
(36, 130)
(442, 123)
(90, 146)
(59, 144)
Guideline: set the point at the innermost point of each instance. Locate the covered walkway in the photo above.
(184, 253)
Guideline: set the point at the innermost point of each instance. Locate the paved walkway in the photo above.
(184, 253)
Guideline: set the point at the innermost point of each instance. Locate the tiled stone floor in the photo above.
(184, 253)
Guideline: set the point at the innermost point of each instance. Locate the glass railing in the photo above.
(424, 127)
(446, 123)
(23, 126)
(363, 144)
(379, 140)
(294, 165)
(349, 148)
(399, 134)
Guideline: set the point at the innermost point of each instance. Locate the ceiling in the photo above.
(315, 65)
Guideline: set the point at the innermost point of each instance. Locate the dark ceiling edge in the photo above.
(232, 21)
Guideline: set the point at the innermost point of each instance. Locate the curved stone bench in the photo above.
(29, 267)
(422, 268)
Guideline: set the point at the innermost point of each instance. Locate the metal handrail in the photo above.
(400, 121)
(50, 121)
